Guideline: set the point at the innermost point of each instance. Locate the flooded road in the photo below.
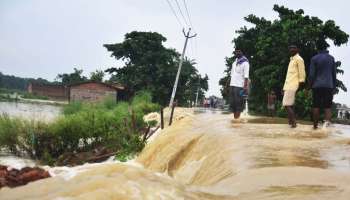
(207, 156)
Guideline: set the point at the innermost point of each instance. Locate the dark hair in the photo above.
(238, 49)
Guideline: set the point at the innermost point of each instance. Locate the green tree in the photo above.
(97, 75)
(192, 84)
(266, 42)
(18, 83)
(148, 65)
(75, 77)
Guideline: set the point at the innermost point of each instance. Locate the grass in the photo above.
(82, 127)
(34, 96)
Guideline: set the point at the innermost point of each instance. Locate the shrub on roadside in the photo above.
(9, 131)
(82, 127)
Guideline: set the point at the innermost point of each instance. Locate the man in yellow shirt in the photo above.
(295, 78)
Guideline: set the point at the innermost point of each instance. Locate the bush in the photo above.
(82, 127)
(72, 107)
(9, 131)
(303, 105)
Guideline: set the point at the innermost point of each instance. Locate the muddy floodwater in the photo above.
(33, 111)
(207, 156)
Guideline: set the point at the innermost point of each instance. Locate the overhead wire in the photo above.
(181, 13)
(186, 20)
(187, 13)
(174, 13)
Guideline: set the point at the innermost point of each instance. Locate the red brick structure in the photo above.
(56, 92)
(94, 91)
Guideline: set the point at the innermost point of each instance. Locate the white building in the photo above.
(343, 112)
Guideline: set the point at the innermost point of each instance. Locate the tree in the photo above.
(265, 44)
(148, 65)
(75, 77)
(18, 83)
(192, 84)
(97, 75)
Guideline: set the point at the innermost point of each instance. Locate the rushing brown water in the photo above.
(209, 157)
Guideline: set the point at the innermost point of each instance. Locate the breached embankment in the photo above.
(206, 156)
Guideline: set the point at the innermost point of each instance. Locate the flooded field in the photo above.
(207, 156)
(30, 110)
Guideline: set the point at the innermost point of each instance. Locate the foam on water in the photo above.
(207, 156)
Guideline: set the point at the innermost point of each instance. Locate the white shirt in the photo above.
(239, 73)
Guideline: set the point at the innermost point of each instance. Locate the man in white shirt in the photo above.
(238, 83)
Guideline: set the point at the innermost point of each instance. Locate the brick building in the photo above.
(95, 91)
(56, 92)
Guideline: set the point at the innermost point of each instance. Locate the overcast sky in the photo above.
(41, 38)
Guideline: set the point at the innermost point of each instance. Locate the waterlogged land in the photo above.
(31, 111)
(207, 156)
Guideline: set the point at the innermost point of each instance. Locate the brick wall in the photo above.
(91, 92)
(52, 91)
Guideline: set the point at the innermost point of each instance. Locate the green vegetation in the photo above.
(71, 78)
(33, 96)
(148, 65)
(83, 127)
(16, 84)
(97, 75)
(266, 46)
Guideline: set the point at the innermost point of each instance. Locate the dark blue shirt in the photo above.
(322, 73)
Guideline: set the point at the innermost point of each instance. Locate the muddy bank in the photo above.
(10, 177)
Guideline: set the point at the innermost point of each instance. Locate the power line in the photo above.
(174, 13)
(193, 44)
(183, 16)
(188, 13)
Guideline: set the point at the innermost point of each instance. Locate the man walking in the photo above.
(295, 78)
(322, 80)
(239, 83)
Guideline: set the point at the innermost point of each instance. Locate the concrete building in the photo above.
(94, 91)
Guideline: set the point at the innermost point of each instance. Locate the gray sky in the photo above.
(41, 38)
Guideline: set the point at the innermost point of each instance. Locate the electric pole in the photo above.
(187, 36)
(199, 85)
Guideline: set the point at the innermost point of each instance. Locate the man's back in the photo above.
(322, 71)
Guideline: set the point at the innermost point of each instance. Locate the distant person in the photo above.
(215, 102)
(271, 103)
(211, 100)
(322, 80)
(206, 103)
(294, 79)
(238, 83)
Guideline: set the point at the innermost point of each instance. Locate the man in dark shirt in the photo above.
(322, 80)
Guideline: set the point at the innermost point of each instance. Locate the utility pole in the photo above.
(196, 104)
(187, 36)
(199, 85)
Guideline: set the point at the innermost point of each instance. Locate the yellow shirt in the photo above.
(295, 74)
